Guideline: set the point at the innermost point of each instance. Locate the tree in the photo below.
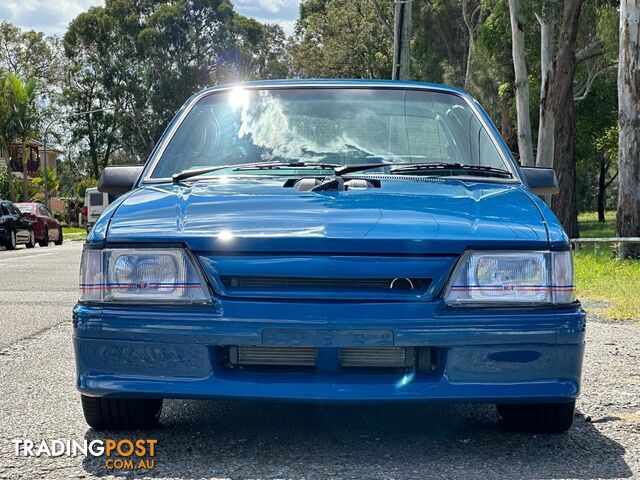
(608, 149)
(30, 54)
(472, 12)
(6, 134)
(628, 219)
(525, 143)
(145, 59)
(563, 107)
(493, 77)
(262, 50)
(52, 181)
(23, 118)
(439, 48)
(340, 38)
(546, 123)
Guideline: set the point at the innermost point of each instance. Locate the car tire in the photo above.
(121, 413)
(45, 238)
(60, 239)
(11, 241)
(32, 240)
(538, 417)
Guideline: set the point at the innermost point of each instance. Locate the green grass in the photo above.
(606, 285)
(609, 286)
(73, 232)
(590, 227)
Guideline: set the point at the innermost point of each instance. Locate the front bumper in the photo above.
(484, 356)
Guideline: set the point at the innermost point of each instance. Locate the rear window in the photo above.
(26, 208)
(95, 199)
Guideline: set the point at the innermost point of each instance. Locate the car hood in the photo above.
(410, 216)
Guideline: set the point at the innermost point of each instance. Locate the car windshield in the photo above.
(341, 126)
(25, 208)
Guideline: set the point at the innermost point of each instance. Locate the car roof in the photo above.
(339, 83)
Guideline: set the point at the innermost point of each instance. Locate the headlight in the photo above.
(140, 275)
(520, 278)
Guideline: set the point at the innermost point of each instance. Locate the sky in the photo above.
(53, 16)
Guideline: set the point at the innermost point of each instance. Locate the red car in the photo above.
(45, 227)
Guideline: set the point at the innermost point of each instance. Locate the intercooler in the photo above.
(349, 357)
(276, 356)
(387, 357)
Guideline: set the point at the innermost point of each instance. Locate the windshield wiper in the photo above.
(338, 170)
(442, 166)
(196, 172)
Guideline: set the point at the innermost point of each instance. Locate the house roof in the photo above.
(39, 145)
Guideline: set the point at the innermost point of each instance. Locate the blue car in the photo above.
(329, 241)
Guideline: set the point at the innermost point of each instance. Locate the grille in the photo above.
(267, 282)
(277, 356)
(381, 357)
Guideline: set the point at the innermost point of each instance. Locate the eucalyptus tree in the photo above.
(628, 219)
(525, 142)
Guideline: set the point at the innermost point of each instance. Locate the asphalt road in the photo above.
(212, 439)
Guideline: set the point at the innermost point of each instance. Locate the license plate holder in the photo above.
(327, 337)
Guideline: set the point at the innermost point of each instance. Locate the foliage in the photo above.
(137, 63)
(596, 140)
(52, 180)
(342, 38)
(4, 182)
(133, 63)
(82, 186)
(30, 54)
(35, 187)
(23, 117)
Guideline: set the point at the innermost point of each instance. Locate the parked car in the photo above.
(94, 204)
(329, 241)
(45, 226)
(15, 229)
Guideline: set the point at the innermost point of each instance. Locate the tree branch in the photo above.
(592, 73)
(606, 185)
(387, 27)
(589, 51)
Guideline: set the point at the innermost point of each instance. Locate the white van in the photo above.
(94, 204)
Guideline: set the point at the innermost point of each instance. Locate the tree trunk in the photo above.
(25, 171)
(628, 219)
(467, 72)
(525, 143)
(402, 41)
(468, 21)
(383, 21)
(544, 152)
(602, 188)
(12, 191)
(561, 100)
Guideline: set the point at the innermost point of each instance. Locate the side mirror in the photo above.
(541, 181)
(119, 179)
